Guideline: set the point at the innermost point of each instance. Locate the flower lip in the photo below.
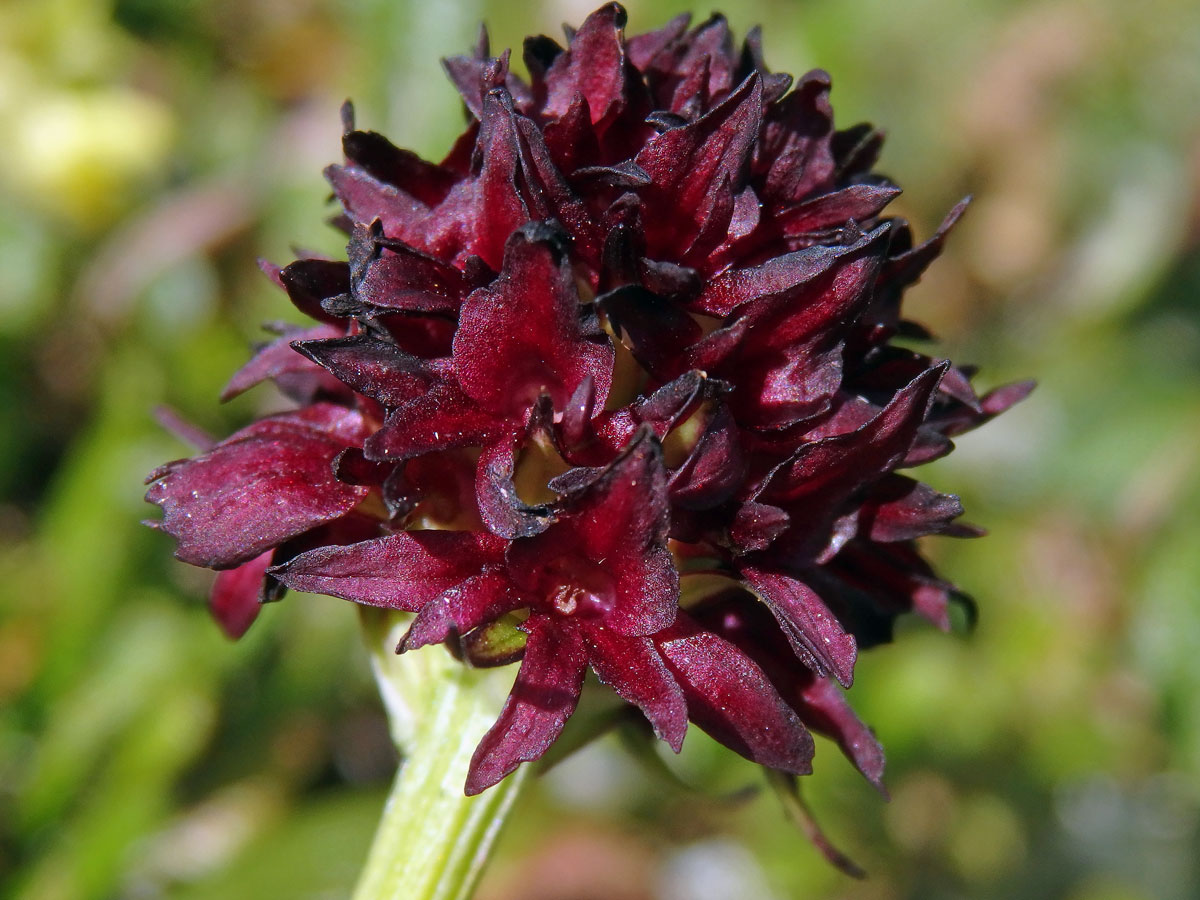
(578, 586)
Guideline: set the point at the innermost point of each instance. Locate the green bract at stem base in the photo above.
(433, 841)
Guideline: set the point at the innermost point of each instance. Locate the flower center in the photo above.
(580, 587)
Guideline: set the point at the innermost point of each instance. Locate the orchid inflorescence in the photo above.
(611, 387)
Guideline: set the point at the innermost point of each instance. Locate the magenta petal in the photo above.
(730, 698)
(634, 668)
(266, 483)
(542, 699)
(476, 601)
(234, 600)
(403, 571)
(812, 630)
(520, 338)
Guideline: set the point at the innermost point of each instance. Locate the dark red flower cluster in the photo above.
(610, 387)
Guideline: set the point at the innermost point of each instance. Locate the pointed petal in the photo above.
(856, 203)
(730, 698)
(381, 159)
(442, 419)
(824, 475)
(234, 600)
(266, 483)
(813, 631)
(593, 66)
(277, 358)
(389, 274)
(643, 48)
(634, 668)
(824, 709)
(402, 571)
(688, 166)
(372, 367)
(476, 601)
(795, 147)
(900, 509)
(543, 697)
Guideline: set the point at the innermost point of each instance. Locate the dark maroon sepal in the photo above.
(730, 698)
(401, 571)
(811, 628)
(466, 606)
(235, 597)
(374, 368)
(543, 697)
(264, 484)
(634, 668)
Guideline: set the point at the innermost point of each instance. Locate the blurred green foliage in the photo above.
(153, 150)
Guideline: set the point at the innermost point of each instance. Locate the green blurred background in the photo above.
(150, 150)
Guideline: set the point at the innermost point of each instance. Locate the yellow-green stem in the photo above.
(433, 841)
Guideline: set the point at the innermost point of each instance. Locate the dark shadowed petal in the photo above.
(234, 600)
(823, 475)
(389, 274)
(634, 668)
(542, 699)
(372, 367)
(715, 468)
(824, 709)
(900, 509)
(795, 147)
(381, 159)
(264, 484)
(690, 166)
(474, 602)
(309, 281)
(502, 511)
(813, 631)
(277, 358)
(730, 698)
(403, 571)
